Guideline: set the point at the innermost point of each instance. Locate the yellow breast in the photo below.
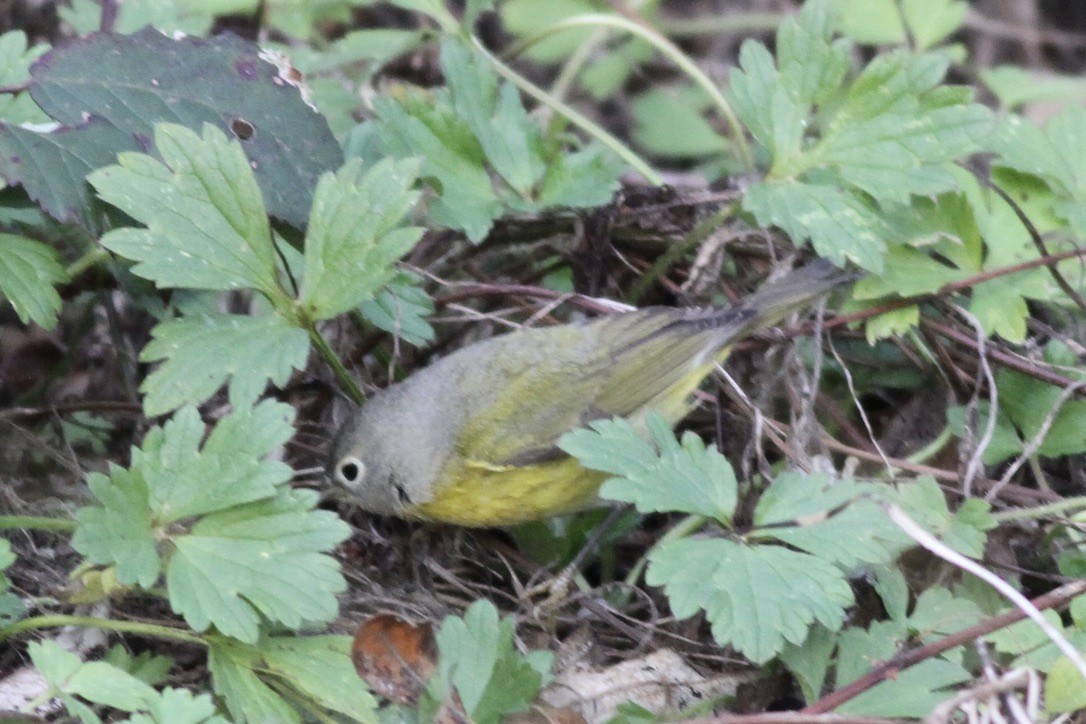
(480, 495)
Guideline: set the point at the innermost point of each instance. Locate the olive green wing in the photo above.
(561, 378)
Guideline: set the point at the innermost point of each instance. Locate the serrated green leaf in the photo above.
(877, 22)
(810, 661)
(185, 480)
(131, 82)
(261, 559)
(893, 590)
(201, 352)
(965, 531)
(841, 226)
(234, 668)
(932, 21)
(687, 478)
(756, 597)
(832, 519)
(320, 668)
(95, 681)
(28, 272)
(354, 236)
(167, 16)
(1028, 402)
(120, 530)
(939, 612)
(172, 478)
(401, 309)
(179, 706)
(477, 657)
(205, 219)
(512, 143)
(583, 178)
(912, 693)
(146, 666)
(15, 60)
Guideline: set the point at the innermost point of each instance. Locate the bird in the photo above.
(472, 439)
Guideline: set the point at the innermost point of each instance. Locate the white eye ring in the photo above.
(350, 471)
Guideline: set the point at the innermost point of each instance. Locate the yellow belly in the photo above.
(481, 496)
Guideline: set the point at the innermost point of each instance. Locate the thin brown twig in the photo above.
(1038, 242)
(1002, 358)
(902, 661)
(955, 286)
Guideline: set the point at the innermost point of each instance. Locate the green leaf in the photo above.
(418, 127)
(659, 477)
(478, 659)
(877, 22)
(832, 519)
(53, 167)
(28, 272)
(1065, 689)
(938, 612)
(932, 21)
(669, 124)
(841, 225)
(757, 598)
(234, 671)
(841, 149)
(146, 666)
(810, 661)
(132, 82)
(258, 549)
(892, 140)
(95, 681)
(167, 16)
(354, 236)
(15, 60)
(401, 309)
(579, 179)
(320, 668)
(201, 352)
(179, 706)
(120, 530)
(264, 559)
(965, 530)
(206, 225)
(912, 693)
(512, 143)
(1028, 402)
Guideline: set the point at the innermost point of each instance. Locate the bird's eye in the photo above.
(350, 471)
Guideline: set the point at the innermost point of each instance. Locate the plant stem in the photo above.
(1041, 511)
(588, 126)
(133, 627)
(697, 235)
(37, 522)
(90, 257)
(671, 51)
(340, 372)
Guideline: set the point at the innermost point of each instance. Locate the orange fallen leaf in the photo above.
(394, 657)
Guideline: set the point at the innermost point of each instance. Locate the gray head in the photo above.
(362, 470)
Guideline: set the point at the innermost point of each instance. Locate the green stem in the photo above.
(340, 372)
(732, 23)
(133, 627)
(697, 235)
(932, 448)
(37, 522)
(589, 127)
(668, 49)
(1041, 511)
(91, 256)
(682, 529)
